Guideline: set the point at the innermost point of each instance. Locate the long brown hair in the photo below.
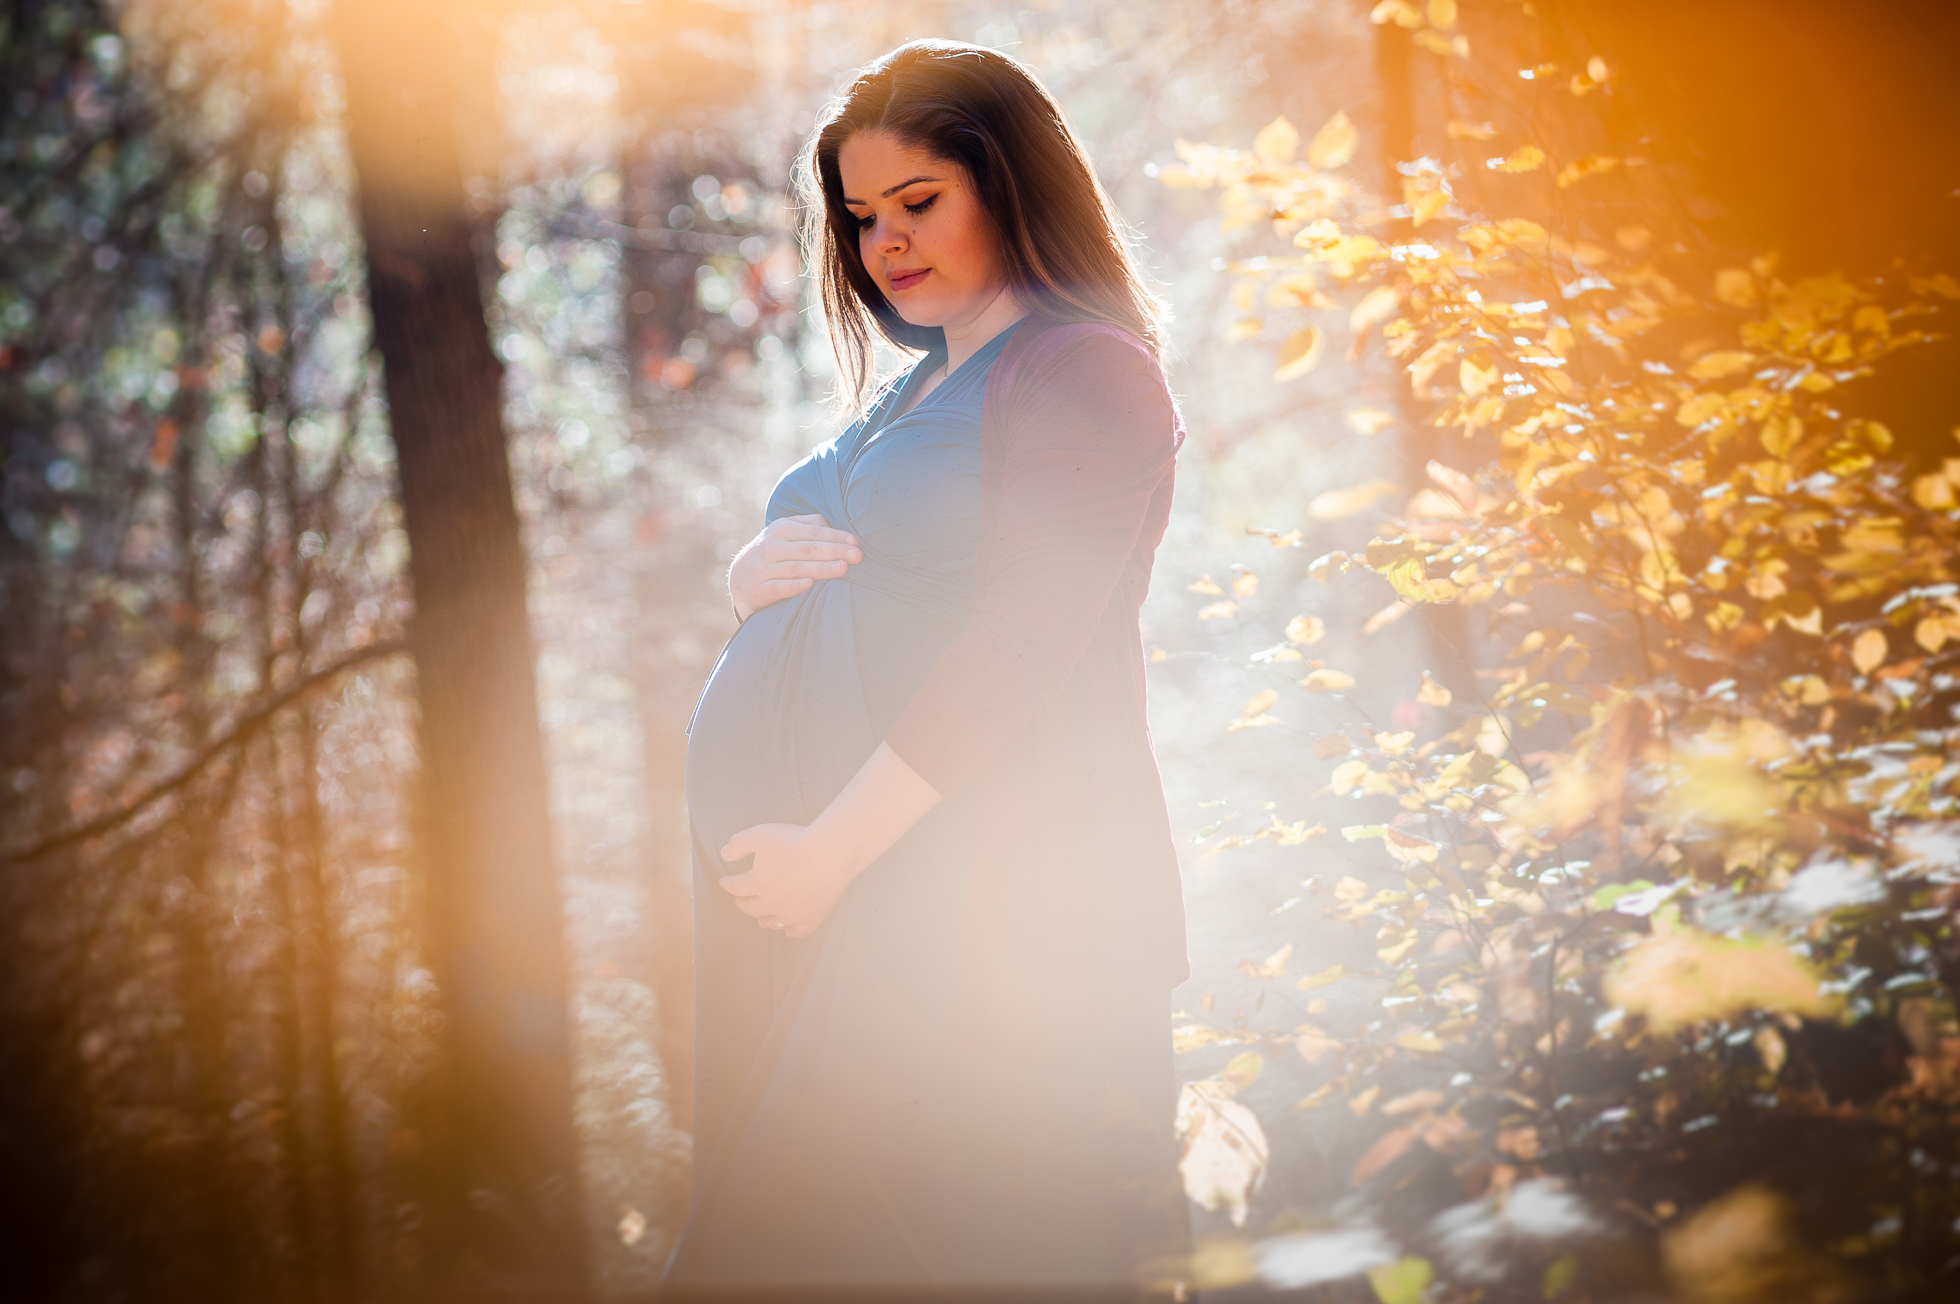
(1060, 237)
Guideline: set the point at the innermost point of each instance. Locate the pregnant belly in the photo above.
(798, 702)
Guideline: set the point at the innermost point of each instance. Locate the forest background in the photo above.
(1549, 650)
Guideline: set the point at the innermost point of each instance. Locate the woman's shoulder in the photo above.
(1054, 339)
(1090, 359)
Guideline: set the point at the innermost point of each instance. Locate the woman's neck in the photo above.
(966, 338)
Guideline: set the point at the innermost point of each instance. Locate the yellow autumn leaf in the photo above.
(1369, 420)
(1735, 287)
(1306, 629)
(1224, 1149)
(1394, 942)
(1387, 616)
(1260, 703)
(1325, 680)
(1375, 307)
(1701, 407)
(1274, 965)
(1442, 13)
(1244, 329)
(1340, 504)
(1403, 13)
(1204, 584)
(1685, 976)
(1590, 165)
(1471, 131)
(1525, 158)
(1714, 366)
(1191, 1036)
(1930, 633)
(1312, 1042)
(1324, 978)
(1333, 145)
(1869, 650)
(1933, 492)
(1432, 693)
(1437, 43)
(1300, 354)
(1244, 584)
(1277, 141)
(1427, 205)
(1474, 379)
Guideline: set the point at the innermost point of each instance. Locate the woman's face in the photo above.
(922, 233)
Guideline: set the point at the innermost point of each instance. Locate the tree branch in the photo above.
(240, 731)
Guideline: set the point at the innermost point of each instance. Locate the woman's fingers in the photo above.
(780, 533)
(810, 550)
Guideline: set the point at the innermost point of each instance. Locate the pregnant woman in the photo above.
(937, 909)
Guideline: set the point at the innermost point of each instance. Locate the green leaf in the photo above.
(1362, 832)
(1612, 892)
(1401, 1282)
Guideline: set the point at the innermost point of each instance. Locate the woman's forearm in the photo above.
(876, 808)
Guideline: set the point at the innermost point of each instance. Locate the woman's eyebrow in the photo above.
(894, 190)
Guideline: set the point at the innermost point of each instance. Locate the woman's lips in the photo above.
(906, 280)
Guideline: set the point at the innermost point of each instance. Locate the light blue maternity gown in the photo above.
(849, 1136)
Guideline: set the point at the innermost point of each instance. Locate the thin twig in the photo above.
(241, 730)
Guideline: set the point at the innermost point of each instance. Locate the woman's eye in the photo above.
(922, 205)
(864, 223)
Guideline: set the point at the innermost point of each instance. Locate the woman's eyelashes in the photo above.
(865, 222)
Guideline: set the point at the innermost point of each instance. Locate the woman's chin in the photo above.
(922, 315)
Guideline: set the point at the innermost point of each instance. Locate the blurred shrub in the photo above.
(1665, 919)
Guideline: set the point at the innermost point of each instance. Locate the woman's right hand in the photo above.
(791, 554)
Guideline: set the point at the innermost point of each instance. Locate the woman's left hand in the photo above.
(794, 883)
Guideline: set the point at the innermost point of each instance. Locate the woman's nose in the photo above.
(889, 239)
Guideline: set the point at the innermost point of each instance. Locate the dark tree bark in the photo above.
(509, 1210)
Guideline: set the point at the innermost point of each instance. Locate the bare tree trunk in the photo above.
(686, 68)
(509, 1209)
